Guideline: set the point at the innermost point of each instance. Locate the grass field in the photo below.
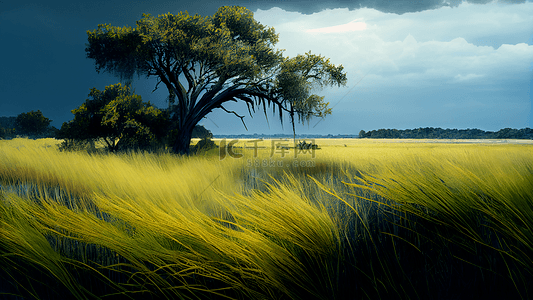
(355, 219)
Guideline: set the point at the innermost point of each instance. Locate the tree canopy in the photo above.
(204, 62)
(32, 123)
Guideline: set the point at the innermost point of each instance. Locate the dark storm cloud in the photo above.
(127, 10)
(388, 6)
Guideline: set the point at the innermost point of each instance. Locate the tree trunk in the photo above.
(183, 140)
(293, 128)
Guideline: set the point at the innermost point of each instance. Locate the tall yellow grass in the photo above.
(259, 226)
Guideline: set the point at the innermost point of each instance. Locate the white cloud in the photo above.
(436, 45)
(351, 26)
(467, 77)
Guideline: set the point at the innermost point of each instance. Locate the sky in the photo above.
(410, 64)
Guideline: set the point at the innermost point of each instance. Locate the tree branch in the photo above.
(157, 84)
(190, 79)
(233, 112)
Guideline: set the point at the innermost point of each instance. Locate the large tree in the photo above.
(204, 62)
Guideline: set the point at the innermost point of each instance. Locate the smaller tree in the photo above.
(31, 123)
(118, 117)
(137, 125)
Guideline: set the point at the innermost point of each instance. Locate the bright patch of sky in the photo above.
(351, 26)
(462, 67)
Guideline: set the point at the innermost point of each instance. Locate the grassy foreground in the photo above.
(365, 220)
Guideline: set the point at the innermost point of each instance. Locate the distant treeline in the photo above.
(439, 133)
(7, 122)
(35, 125)
(31, 124)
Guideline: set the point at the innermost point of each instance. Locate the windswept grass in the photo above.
(361, 221)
